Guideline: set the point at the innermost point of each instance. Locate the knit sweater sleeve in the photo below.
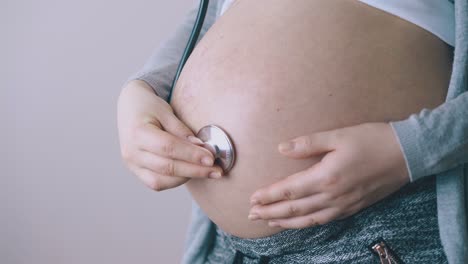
(436, 140)
(160, 68)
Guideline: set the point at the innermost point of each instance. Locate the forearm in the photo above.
(160, 68)
(435, 140)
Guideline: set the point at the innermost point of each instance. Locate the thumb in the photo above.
(309, 145)
(173, 125)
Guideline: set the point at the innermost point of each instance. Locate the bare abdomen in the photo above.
(269, 70)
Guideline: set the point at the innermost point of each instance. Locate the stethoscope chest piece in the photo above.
(218, 142)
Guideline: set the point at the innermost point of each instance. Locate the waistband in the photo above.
(289, 241)
(285, 242)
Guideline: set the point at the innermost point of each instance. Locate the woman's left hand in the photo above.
(361, 165)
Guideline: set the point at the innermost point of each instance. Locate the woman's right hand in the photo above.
(155, 145)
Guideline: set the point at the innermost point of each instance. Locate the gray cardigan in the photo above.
(433, 141)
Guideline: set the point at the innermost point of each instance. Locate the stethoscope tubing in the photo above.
(215, 139)
(202, 10)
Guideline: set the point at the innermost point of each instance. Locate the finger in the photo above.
(169, 167)
(162, 143)
(321, 217)
(156, 181)
(287, 209)
(174, 126)
(306, 146)
(296, 186)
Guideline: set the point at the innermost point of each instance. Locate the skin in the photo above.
(321, 75)
(155, 145)
(348, 178)
(240, 77)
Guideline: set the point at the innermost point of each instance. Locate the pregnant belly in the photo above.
(269, 70)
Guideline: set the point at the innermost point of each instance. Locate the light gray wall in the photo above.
(65, 194)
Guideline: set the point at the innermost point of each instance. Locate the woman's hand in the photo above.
(155, 144)
(361, 165)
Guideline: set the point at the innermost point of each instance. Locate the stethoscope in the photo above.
(214, 138)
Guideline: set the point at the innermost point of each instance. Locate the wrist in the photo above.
(399, 156)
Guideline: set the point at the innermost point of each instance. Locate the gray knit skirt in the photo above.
(405, 221)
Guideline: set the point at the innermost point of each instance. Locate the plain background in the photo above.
(65, 194)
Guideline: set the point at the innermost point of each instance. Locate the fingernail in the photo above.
(287, 146)
(194, 140)
(207, 161)
(253, 216)
(273, 223)
(215, 175)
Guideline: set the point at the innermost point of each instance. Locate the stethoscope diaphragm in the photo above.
(217, 141)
